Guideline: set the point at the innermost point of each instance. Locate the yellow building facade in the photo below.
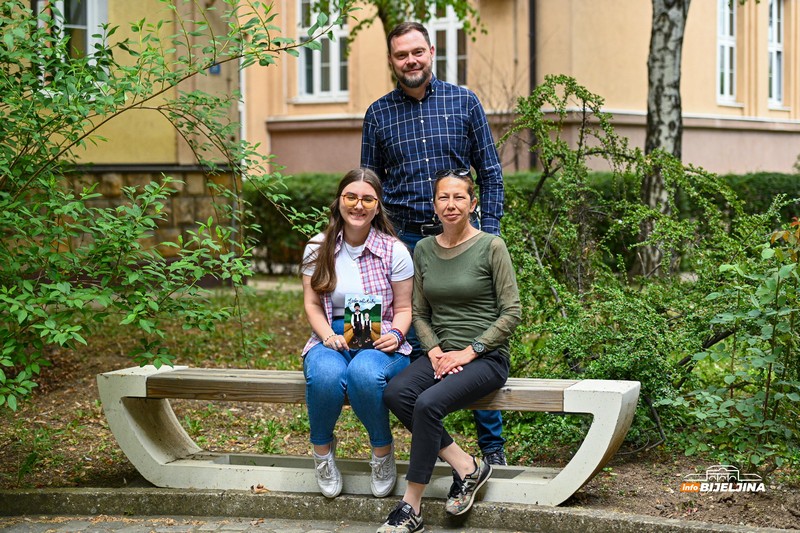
(740, 82)
(143, 136)
(140, 145)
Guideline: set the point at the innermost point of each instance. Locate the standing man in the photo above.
(422, 127)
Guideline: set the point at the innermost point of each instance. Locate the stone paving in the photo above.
(178, 524)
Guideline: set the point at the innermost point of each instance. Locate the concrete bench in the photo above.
(136, 403)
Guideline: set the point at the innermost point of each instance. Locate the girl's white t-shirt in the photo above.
(348, 278)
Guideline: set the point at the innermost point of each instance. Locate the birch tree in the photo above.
(664, 109)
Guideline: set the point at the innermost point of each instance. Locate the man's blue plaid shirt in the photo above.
(406, 141)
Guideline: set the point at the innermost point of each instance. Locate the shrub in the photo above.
(64, 264)
(574, 237)
(282, 239)
(759, 190)
(281, 242)
(747, 401)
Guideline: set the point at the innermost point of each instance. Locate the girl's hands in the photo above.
(386, 343)
(336, 342)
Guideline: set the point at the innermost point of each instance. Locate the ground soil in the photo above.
(61, 439)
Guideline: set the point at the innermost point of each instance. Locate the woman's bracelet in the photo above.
(329, 337)
(398, 335)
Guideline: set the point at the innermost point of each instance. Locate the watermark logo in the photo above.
(722, 478)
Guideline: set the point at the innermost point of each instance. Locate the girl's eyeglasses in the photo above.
(351, 200)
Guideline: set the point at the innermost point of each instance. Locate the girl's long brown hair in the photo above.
(323, 279)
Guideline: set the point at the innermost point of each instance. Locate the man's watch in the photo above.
(478, 347)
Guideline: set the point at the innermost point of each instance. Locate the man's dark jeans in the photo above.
(488, 423)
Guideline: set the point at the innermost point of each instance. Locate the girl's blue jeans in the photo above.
(360, 375)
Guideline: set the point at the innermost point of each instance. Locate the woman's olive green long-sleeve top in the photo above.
(465, 294)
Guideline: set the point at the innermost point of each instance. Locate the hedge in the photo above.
(278, 245)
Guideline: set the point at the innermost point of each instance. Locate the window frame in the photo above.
(726, 52)
(775, 52)
(96, 16)
(455, 61)
(336, 64)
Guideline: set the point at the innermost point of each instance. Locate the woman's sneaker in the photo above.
(403, 520)
(384, 474)
(462, 492)
(328, 476)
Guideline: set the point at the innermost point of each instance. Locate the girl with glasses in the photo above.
(356, 258)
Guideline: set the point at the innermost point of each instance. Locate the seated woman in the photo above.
(358, 258)
(465, 307)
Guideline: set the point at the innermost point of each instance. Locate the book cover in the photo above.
(362, 320)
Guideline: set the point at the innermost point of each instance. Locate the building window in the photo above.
(79, 21)
(775, 52)
(448, 36)
(323, 72)
(726, 51)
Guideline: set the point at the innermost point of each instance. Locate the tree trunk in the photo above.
(664, 120)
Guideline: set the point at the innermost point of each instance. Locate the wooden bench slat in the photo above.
(249, 385)
(230, 388)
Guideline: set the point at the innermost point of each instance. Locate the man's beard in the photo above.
(415, 82)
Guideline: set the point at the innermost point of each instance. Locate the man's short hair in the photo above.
(406, 27)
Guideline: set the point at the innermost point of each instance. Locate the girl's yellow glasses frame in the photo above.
(367, 201)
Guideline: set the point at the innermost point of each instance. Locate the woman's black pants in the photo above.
(421, 402)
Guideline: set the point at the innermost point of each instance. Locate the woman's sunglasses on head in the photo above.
(461, 172)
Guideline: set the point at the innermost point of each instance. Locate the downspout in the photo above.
(534, 159)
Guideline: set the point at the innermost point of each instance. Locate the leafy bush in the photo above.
(284, 231)
(759, 190)
(281, 242)
(590, 311)
(64, 264)
(748, 406)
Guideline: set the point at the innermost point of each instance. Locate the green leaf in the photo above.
(786, 270)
